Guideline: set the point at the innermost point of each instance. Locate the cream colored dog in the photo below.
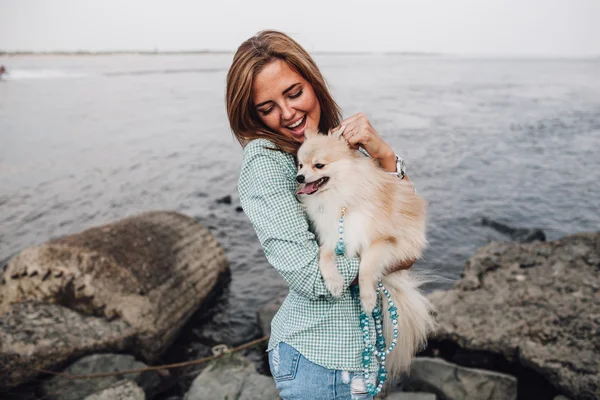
(383, 223)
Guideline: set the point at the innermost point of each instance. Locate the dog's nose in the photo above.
(300, 178)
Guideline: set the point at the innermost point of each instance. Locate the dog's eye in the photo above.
(319, 166)
(300, 166)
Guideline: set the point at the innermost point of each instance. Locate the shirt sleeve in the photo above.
(268, 197)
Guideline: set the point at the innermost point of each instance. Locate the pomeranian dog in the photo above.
(383, 223)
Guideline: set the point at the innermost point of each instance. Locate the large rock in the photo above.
(150, 271)
(411, 396)
(452, 382)
(232, 377)
(123, 390)
(536, 305)
(63, 388)
(39, 336)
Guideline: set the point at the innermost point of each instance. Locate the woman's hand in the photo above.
(398, 267)
(360, 132)
(401, 266)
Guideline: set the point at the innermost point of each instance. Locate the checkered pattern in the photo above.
(322, 328)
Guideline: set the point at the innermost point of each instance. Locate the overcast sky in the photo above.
(487, 27)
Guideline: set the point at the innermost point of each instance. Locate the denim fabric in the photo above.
(297, 378)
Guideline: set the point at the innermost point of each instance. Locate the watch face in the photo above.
(400, 166)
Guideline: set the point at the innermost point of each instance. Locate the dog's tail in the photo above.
(415, 319)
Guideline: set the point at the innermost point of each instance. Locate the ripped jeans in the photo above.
(296, 378)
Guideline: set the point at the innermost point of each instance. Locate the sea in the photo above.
(88, 139)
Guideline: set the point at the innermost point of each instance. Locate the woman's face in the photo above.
(285, 102)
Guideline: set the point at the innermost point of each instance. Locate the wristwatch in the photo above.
(400, 168)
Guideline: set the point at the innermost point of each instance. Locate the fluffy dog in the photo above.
(383, 223)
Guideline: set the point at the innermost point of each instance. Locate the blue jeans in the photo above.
(296, 378)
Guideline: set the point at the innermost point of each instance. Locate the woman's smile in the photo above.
(297, 128)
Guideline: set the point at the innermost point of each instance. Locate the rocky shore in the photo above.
(523, 322)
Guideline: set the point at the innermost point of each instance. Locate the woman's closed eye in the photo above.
(267, 111)
(296, 95)
(291, 96)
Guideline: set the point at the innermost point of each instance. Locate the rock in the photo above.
(61, 388)
(411, 396)
(123, 390)
(517, 234)
(151, 271)
(40, 336)
(265, 315)
(232, 377)
(224, 200)
(452, 382)
(536, 305)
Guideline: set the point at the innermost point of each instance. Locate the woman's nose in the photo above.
(287, 113)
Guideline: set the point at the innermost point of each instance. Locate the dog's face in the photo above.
(321, 160)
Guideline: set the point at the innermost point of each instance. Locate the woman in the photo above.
(274, 93)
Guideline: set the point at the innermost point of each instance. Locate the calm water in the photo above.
(88, 140)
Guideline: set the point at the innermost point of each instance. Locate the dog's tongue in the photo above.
(308, 188)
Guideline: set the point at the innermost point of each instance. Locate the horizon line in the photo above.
(317, 52)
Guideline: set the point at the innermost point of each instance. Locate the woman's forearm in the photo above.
(388, 162)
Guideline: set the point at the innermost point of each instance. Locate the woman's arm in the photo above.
(268, 197)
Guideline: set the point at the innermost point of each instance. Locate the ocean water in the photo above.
(86, 140)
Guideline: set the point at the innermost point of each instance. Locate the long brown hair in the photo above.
(251, 57)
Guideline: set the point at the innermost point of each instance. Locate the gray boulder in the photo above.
(411, 396)
(150, 271)
(40, 336)
(452, 382)
(123, 390)
(61, 388)
(232, 377)
(536, 305)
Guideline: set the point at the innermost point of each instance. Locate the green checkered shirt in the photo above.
(322, 328)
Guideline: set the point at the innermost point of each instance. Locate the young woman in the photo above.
(274, 93)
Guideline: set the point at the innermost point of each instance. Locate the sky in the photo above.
(568, 28)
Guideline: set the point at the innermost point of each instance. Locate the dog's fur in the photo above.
(384, 224)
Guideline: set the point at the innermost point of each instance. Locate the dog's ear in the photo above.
(337, 132)
(310, 133)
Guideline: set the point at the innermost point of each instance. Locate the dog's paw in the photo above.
(335, 284)
(368, 301)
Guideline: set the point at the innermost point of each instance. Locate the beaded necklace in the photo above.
(379, 350)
